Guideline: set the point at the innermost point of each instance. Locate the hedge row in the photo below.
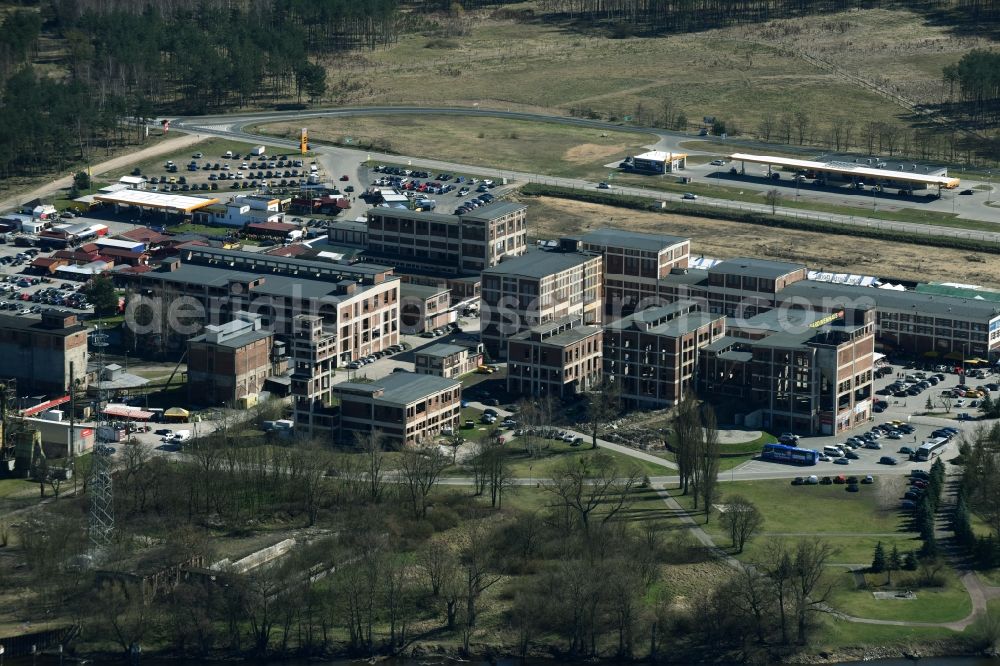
(761, 219)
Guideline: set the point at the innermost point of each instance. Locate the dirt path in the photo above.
(170, 145)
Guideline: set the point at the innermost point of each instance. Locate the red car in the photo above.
(344, 177)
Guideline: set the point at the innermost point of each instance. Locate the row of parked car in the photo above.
(374, 356)
(911, 385)
(919, 482)
(473, 204)
(852, 482)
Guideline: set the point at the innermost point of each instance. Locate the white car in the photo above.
(689, 196)
(960, 402)
(718, 162)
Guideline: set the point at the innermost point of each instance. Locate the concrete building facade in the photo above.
(406, 407)
(651, 356)
(38, 351)
(538, 288)
(560, 358)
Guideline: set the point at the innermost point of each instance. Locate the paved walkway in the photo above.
(979, 593)
(617, 448)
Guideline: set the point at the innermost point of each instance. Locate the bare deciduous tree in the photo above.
(741, 519)
(420, 470)
(583, 486)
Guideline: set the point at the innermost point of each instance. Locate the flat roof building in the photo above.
(634, 264)
(406, 407)
(229, 363)
(459, 244)
(651, 356)
(560, 358)
(447, 360)
(38, 351)
(537, 288)
(357, 303)
(811, 375)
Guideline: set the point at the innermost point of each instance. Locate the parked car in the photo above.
(887, 460)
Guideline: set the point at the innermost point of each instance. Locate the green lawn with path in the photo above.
(948, 603)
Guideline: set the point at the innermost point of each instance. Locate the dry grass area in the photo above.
(901, 49)
(550, 217)
(739, 74)
(537, 147)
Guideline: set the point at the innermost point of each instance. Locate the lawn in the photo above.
(535, 147)
(851, 522)
(933, 604)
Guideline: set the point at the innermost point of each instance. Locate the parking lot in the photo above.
(276, 173)
(898, 409)
(455, 193)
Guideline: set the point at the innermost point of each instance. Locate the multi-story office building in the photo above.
(406, 407)
(811, 375)
(652, 355)
(313, 359)
(538, 288)
(448, 360)
(911, 321)
(737, 288)
(634, 265)
(42, 353)
(459, 244)
(359, 304)
(424, 308)
(229, 363)
(560, 358)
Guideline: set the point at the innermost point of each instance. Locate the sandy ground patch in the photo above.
(592, 152)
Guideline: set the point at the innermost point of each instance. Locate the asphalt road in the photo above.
(346, 160)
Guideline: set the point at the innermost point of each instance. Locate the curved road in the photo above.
(347, 159)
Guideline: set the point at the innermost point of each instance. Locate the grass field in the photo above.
(536, 147)
(933, 604)
(851, 522)
(740, 74)
(553, 218)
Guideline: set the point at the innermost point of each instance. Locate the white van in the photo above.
(833, 451)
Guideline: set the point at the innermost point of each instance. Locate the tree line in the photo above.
(977, 75)
(693, 15)
(386, 558)
(129, 62)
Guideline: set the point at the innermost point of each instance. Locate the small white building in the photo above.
(44, 212)
(133, 182)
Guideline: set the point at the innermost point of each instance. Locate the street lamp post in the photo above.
(989, 185)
